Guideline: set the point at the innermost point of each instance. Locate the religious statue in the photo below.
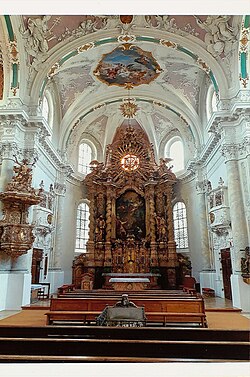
(100, 229)
(161, 228)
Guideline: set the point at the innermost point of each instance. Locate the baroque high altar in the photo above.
(131, 232)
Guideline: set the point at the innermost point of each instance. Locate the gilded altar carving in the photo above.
(131, 220)
(16, 234)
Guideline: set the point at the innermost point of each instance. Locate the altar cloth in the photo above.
(129, 280)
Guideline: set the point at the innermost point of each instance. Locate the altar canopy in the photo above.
(131, 220)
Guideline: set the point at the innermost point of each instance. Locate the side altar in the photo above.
(131, 230)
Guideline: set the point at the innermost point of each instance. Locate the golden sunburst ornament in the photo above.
(129, 108)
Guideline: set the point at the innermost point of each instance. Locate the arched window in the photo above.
(84, 158)
(47, 111)
(211, 102)
(174, 149)
(180, 225)
(82, 227)
(45, 108)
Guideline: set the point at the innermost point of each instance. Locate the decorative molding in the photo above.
(60, 189)
(8, 150)
(230, 152)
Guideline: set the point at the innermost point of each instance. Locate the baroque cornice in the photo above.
(234, 151)
(219, 121)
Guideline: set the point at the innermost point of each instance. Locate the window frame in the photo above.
(167, 148)
(87, 169)
(182, 241)
(82, 233)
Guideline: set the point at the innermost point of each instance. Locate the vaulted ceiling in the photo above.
(61, 54)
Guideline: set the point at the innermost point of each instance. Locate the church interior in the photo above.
(125, 164)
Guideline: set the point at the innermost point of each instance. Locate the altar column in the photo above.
(172, 256)
(150, 222)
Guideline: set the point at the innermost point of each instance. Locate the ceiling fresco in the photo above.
(127, 66)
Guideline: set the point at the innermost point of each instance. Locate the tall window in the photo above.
(82, 227)
(84, 158)
(180, 225)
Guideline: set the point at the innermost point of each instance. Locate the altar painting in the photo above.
(127, 64)
(130, 216)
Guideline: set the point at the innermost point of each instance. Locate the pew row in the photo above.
(166, 310)
(97, 332)
(166, 349)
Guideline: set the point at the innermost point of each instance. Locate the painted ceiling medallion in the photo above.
(127, 65)
(126, 19)
(129, 108)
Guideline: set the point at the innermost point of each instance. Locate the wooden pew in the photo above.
(81, 294)
(157, 333)
(194, 307)
(208, 350)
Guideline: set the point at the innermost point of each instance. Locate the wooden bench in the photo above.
(175, 317)
(157, 333)
(174, 307)
(71, 316)
(125, 348)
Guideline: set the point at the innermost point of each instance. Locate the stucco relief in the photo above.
(162, 126)
(71, 83)
(97, 127)
(220, 34)
(186, 78)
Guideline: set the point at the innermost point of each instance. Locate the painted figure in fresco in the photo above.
(122, 66)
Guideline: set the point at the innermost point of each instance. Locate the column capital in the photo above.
(230, 151)
(60, 188)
